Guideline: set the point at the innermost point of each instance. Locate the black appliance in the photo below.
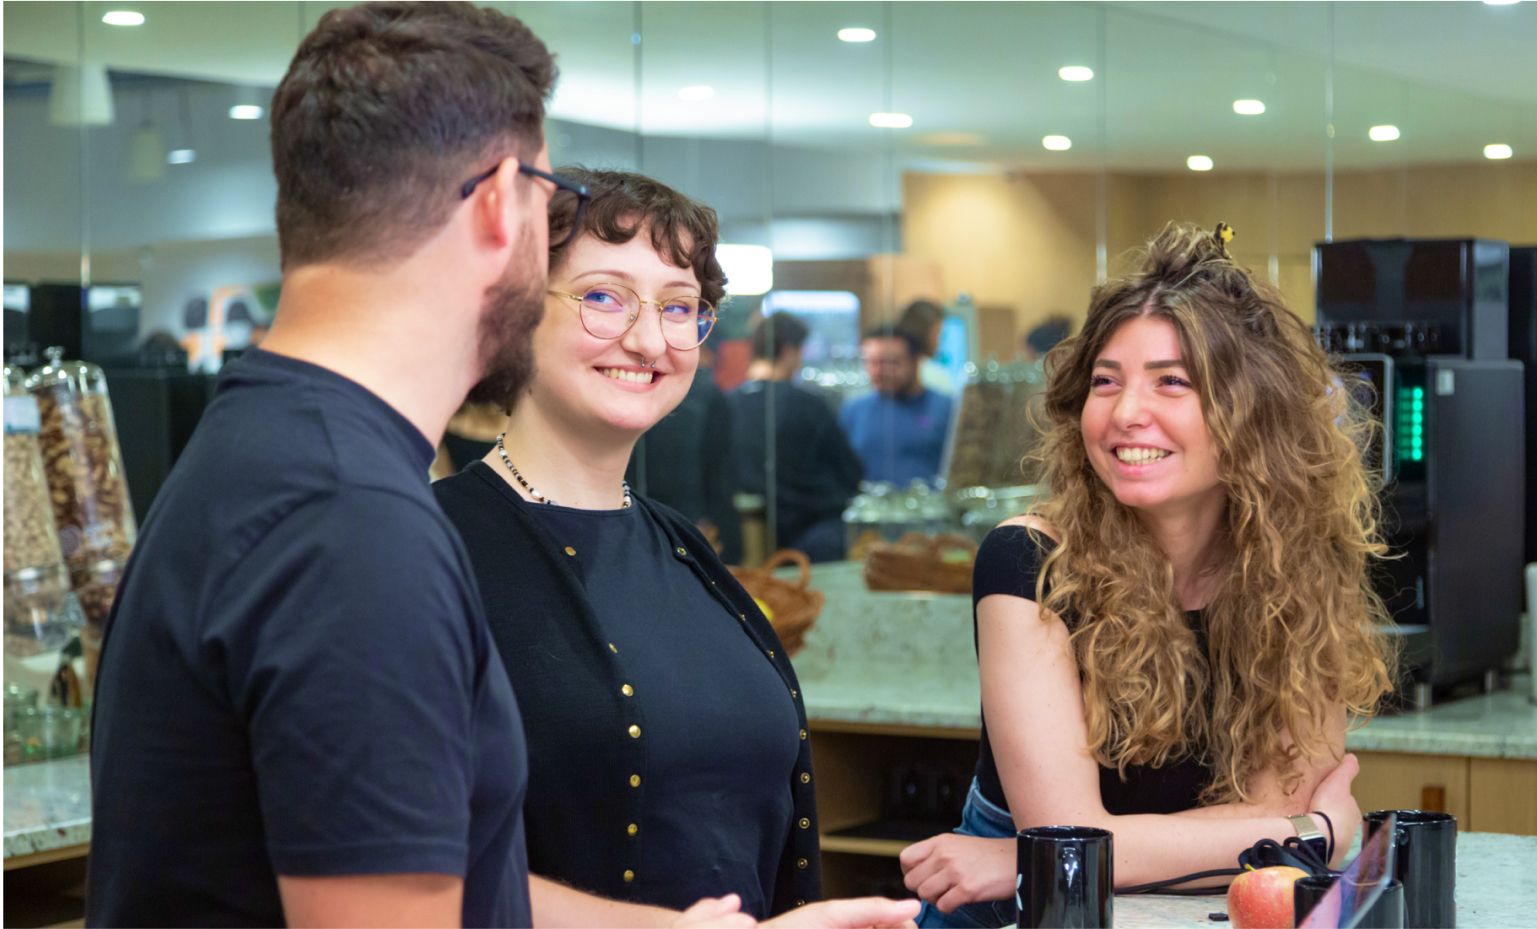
(156, 410)
(99, 324)
(1410, 296)
(1523, 347)
(1426, 324)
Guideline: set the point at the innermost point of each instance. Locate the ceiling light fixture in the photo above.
(1248, 107)
(245, 111)
(749, 269)
(1497, 151)
(1057, 143)
(697, 92)
(857, 35)
(891, 120)
(181, 156)
(80, 95)
(123, 18)
(1383, 133)
(1502, 2)
(1076, 73)
(1198, 163)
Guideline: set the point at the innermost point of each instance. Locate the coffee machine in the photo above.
(1422, 325)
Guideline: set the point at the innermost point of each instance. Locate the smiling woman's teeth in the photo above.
(1140, 455)
(620, 374)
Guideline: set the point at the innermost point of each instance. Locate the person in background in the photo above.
(1044, 337)
(686, 462)
(665, 725)
(898, 431)
(816, 472)
(1174, 644)
(926, 320)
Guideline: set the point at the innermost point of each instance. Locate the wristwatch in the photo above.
(1308, 832)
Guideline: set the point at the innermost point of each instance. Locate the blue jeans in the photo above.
(984, 820)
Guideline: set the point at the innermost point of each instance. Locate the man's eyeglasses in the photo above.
(582, 195)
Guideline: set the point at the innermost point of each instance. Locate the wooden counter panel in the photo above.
(1503, 795)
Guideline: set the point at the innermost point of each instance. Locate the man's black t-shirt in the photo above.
(297, 677)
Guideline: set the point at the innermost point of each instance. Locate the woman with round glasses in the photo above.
(668, 758)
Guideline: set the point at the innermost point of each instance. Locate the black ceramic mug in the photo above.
(1425, 850)
(1066, 878)
(1386, 913)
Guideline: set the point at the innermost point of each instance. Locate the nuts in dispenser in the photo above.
(31, 540)
(82, 462)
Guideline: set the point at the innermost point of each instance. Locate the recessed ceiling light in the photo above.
(1502, 2)
(1057, 143)
(181, 156)
(1497, 151)
(1248, 107)
(857, 35)
(123, 18)
(891, 120)
(245, 111)
(749, 268)
(1076, 73)
(1383, 133)
(1198, 163)
(697, 92)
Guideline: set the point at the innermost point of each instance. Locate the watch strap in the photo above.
(1308, 832)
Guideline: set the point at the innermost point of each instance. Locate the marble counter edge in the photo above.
(1475, 745)
(47, 838)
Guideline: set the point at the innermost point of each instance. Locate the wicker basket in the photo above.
(941, 564)
(792, 607)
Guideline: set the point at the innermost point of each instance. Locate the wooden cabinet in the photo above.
(1485, 794)
(851, 763)
(1400, 781)
(1503, 795)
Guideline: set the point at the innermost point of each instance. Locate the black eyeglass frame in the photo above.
(583, 196)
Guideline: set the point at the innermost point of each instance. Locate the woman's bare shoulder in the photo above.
(1029, 521)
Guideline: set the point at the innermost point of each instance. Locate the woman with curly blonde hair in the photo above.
(1171, 647)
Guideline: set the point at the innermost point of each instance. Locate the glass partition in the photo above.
(992, 160)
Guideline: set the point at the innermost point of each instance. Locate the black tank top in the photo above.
(1008, 563)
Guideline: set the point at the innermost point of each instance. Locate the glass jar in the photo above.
(48, 732)
(95, 589)
(82, 461)
(17, 699)
(31, 539)
(40, 615)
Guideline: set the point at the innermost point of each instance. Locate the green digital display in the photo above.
(1410, 423)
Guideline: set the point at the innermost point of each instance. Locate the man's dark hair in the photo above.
(386, 109)
(889, 331)
(683, 231)
(919, 318)
(1044, 338)
(777, 333)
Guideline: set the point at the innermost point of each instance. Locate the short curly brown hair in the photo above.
(683, 231)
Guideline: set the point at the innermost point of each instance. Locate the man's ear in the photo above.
(495, 205)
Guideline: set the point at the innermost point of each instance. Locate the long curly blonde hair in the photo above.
(1294, 627)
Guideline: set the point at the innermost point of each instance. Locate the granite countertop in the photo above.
(1496, 886)
(47, 805)
(907, 659)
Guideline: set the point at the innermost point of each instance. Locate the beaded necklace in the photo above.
(502, 450)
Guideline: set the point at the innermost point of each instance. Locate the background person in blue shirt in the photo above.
(899, 430)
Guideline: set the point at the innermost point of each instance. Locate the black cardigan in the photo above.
(567, 679)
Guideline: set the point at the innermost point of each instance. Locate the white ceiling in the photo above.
(979, 79)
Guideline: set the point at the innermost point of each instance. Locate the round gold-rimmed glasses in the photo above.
(609, 310)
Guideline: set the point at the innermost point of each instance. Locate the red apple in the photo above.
(1262, 899)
